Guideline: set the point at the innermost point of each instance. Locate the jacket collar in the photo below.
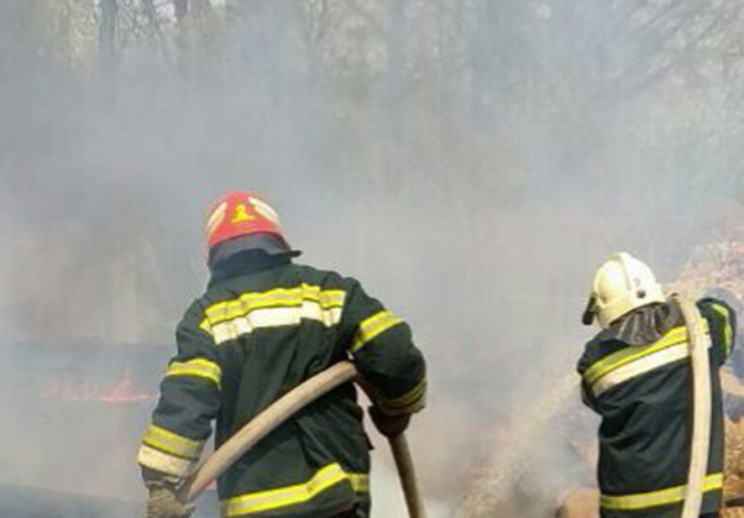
(645, 325)
(244, 263)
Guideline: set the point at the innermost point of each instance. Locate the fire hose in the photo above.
(699, 343)
(281, 410)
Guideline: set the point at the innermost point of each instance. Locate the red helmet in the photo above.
(241, 214)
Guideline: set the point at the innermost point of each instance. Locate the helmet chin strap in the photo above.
(587, 318)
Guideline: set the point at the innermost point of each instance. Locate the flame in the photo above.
(123, 392)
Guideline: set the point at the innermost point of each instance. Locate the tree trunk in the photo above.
(181, 8)
(107, 34)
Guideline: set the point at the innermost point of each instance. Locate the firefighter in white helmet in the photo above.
(636, 375)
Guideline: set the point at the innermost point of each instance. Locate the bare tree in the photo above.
(181, 9)
(107, 34)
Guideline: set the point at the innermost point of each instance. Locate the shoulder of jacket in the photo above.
(195, 311)
(604, 336)
(604, 343)
(715, 309)
(710, 303)
(325, 278)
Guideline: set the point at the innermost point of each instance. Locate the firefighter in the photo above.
(264, 325)
(636, 374)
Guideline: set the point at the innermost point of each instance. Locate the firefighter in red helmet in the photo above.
(263, 326)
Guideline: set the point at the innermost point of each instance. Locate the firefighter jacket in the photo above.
(637, 376)
(254, 335)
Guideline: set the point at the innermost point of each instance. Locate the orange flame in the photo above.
(123, 392)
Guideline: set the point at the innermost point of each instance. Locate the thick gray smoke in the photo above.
(471, 161)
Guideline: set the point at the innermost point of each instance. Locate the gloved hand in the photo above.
(163, 503)
(389, 425)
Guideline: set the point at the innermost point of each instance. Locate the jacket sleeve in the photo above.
(587, 397)
(189, 400)
(381, 346)
(722, 323)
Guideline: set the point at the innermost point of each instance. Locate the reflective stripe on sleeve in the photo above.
(372, 327)
(283, 497)
(197, 367)
(672, 495)
(359, 482)
(728, 333)
(163, 462)
(408, 402)
(172, 443)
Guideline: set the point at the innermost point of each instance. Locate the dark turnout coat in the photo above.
(256, 333)
(637, 376)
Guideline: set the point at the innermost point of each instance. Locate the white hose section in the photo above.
(699, 342)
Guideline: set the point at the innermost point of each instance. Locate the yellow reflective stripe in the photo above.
(172, 443)
(196, 367)
(640, 366)
(667, 496)
(407, 399)
(275, 317)
(164, 462)
(204, 326)
(628, 354)
(359, 482)
(728, 331)
(372, 327)
(636, 360)
(272, 499)
(247, 302)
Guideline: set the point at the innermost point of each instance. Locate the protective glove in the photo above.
(389, 425)
(163, 503)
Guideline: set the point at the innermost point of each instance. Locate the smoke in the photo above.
(471, 162)
(387, 495)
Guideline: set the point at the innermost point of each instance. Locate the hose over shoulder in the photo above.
(699, 343)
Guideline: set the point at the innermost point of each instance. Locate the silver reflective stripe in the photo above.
(640, 366)
(172, 443)
(161, 461)
(275, 317)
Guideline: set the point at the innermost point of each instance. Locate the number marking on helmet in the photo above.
(241, 214)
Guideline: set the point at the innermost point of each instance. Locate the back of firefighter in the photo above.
(264, 325)
(636, 374)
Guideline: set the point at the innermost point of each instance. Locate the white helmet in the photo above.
(621, 284)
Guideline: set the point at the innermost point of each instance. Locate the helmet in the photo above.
(621, 284)
(239, 214)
